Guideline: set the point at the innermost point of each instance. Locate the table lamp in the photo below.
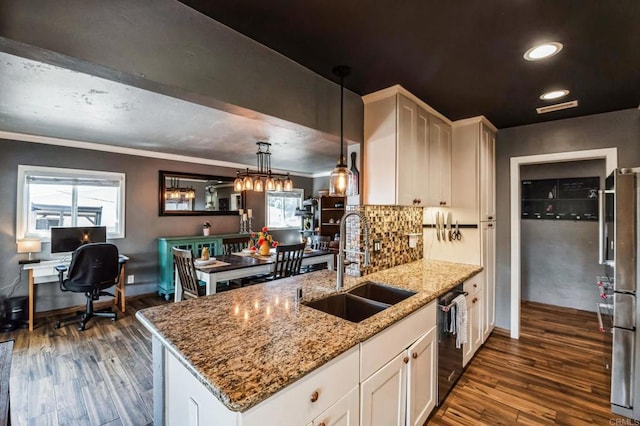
(29, 245)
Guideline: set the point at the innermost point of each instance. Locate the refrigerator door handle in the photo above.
(601, 238)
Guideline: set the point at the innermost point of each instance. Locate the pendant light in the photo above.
(340, 180)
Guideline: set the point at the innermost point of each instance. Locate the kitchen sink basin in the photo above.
(347, 306)
(381, 293)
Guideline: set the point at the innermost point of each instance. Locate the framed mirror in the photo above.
(188, 194)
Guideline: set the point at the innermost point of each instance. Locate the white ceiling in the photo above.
(47, 100)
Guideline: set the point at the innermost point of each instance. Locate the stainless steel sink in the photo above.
(381, 293)
(347, 306)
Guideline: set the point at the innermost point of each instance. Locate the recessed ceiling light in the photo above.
(555, 94)
(543, 51)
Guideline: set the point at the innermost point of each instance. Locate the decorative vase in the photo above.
(206, 231)
(355, 174)
(264, 249)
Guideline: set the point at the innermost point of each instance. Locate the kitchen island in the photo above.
(248, 344)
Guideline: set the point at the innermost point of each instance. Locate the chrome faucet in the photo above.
(341, 245)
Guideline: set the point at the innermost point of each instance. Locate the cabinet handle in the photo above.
(490, 225)
(475, 299)
(314, 396)
(321, 424)
(414, 355)
(490, 217)
(475, 285)
(406, 360)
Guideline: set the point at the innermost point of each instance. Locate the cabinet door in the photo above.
(188, 402)
(383, 395)
(421, 375)
(420, 187)
(488, 244)
(439, 172)
(487, 174)
(345, 412)
(406, 147)
(474, 327)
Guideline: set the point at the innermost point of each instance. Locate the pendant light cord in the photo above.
(342, 71)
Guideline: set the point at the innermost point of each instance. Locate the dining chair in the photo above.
(234, 245)
(288, 260)
(192, 287)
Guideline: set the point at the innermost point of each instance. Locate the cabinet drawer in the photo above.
(473, 284)
(381, 348)
(294, 405)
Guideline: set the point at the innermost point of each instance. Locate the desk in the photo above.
(45, 272)
(247, 266)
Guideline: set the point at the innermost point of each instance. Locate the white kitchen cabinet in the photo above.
(383, 395)
(439, 166)
(487, 173)
(400, 388)
(345, 412)
(397, 150)
(421, 392)
(475, 313)
(488, 253)
(473, 159)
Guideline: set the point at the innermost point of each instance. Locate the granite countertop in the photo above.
(247, 344)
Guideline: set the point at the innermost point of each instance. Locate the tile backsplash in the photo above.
(390, 225)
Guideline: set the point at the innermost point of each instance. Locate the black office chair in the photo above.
(94, 268)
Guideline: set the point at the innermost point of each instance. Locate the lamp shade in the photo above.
(29, 245)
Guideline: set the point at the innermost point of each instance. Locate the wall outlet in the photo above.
(130, 279)
(377, 246)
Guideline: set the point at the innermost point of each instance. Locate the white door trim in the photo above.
(610, 155)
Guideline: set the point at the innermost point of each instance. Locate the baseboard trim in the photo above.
(97, 305)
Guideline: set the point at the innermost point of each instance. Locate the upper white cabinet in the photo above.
(407, 151)
(439, 174)
(473, 159)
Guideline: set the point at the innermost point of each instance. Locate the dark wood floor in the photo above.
(554, 374)
(102, 376)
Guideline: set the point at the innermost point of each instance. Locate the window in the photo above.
(281, 209)
(68, 197)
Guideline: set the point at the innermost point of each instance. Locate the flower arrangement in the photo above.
(262, 241)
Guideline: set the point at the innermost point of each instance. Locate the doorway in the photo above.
(610, 155)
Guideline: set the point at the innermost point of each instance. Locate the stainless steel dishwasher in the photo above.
(449, 357)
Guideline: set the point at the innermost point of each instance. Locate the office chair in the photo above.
(192, 287)
(94, 268)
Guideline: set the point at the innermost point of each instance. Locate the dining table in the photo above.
(241, 265)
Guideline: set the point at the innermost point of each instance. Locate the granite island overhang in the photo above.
(247, 344)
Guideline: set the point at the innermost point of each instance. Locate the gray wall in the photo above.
(143, 224)
(560, 257)
(619, 129)
(165, 46)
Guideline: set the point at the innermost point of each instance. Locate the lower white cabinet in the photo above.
(383, 395)
(488, 238)
(475, 312)
(403, 390)
(345, 412)
(422, 384)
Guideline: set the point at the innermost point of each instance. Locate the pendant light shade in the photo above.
(341, 179)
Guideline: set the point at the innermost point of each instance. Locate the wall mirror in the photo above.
(188, 194)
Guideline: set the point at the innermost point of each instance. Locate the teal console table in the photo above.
(166, 284)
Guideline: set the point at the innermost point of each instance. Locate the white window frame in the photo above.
(299, 191)
(22, 208)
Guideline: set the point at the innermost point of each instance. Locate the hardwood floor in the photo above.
(101, 376)
(554, 374)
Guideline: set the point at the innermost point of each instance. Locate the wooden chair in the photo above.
(192, 287)
(234, 245)
(288, 260)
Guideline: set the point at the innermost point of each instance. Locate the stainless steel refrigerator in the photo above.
(618, 223)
